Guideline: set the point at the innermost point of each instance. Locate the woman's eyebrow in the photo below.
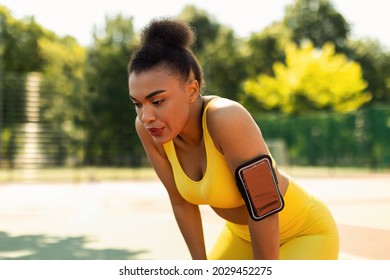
(150, 95)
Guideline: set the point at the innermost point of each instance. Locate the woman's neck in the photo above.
(192, 133)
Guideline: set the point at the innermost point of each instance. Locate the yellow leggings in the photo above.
(307, 232)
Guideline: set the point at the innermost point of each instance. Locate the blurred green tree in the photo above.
(218, 51)
(305, 20)
(203, 24)
(224, 65)
(63, 95)
(317, 21)
(21, 53)
(264, 48)
(311, 79)
(375, 63)
(261, 51)
(111, 136)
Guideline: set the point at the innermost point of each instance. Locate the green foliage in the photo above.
(20, 38)
(317, 21)
(85, 96)
(111, 135)
(264, 48)
(205, 27)
(375, 63)
(224, 66)
(261, 50)
(311, 79)
(219, 52)
(63, 92)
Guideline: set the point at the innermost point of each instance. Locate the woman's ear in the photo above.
(193, 90)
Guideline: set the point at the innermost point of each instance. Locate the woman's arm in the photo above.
(187, 215)
(239, 139)
(265, 238)
(190, 223)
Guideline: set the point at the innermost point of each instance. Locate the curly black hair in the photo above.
(167, 42)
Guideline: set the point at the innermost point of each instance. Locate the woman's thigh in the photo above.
(229, 246)
(310, 247)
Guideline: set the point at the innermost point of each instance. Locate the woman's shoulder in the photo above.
(220, 109)
(234, 131)
(228, 120)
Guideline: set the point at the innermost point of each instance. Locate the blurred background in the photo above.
(319, 91)
(75, 182)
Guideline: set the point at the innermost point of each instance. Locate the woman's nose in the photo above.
(147, 115)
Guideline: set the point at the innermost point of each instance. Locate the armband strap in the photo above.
(258, 184)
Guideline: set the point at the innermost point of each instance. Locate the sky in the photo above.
(368, 18)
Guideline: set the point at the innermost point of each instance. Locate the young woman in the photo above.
(195, 143)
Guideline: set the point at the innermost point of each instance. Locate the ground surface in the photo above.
(133, 220)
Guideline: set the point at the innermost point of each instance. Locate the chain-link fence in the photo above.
(359, 139)
(24, 136)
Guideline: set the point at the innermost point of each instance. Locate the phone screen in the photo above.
(261, 188)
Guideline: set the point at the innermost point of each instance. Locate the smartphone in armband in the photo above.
(258, 184)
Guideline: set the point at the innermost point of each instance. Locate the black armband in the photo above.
(258, 184)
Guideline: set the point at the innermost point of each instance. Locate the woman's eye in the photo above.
(137, 105)
(158, 102)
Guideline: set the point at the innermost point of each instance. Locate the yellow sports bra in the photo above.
(218, 187)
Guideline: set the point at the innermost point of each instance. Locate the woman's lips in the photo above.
(155, 131)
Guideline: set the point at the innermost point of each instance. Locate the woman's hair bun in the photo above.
(168, 31)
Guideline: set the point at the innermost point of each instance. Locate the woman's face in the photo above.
(162, 102)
